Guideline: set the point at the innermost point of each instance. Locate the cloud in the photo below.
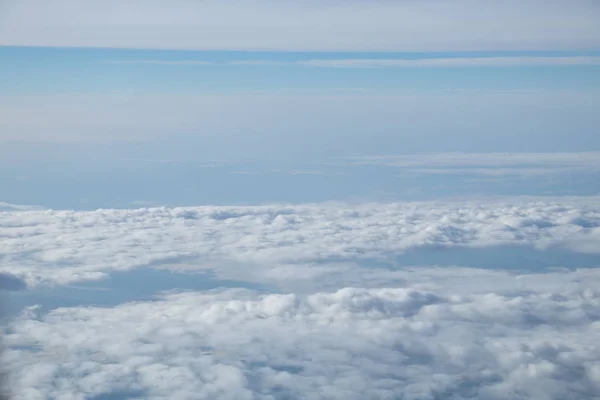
(515, 61)
(196, 163)
(495, 164)
(162, 62)
(4, 206)
(309, 25)
(489, 335)
(307, 172)
(290, 125)
(278, 243)
(454, 62)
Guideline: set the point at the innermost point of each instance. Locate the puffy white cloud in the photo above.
(477, 335)
(278, 244)
(308, 25)
(335, 330)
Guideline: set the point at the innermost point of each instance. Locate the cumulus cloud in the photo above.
(325, 327)
(308, 25)
(515, 336)
(278, 243)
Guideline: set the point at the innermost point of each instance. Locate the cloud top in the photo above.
(522, 337)
(45, 247)
(326, 327)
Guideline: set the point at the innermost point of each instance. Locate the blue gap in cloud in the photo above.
(135, 285)
(123, 395)
(510, 257)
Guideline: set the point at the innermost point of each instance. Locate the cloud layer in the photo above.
(325, 327)
(291, 125)
(4, 206)
(308, 25)
(278, 243)
(514, 61)
(488, 163)
(518, 337)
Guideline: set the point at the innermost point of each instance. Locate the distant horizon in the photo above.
(275, 199)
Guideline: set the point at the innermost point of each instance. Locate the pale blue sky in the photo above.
(39, 70)
(112, 106)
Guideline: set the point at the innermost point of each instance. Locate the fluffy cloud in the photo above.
(277, 243)
(518, 337)
(308, 25)
(326, 328)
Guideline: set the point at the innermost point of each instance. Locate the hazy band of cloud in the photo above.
(515, 61)
(493, 164)
(360, 25)
(4, 206)
(335, 330)
(262, 125)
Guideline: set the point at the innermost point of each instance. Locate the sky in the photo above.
(316, 200)
(209, 100)
(95, 121)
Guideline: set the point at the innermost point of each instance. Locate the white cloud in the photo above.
(441, 334)
(454, 62)
(308, 25)
(196, 163)
(276, 244)
(337, 330)
(4, 206)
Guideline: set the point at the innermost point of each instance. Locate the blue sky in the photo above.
(35, 70)
(110, 104)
